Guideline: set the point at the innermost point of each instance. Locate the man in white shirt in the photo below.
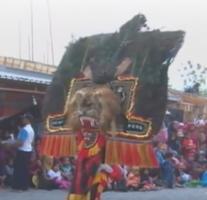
(24, 144)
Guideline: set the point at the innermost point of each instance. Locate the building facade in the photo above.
(22, 84)
(187, 106)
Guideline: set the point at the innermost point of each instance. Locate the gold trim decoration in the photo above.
(77, 197)
(132, 91)
(131, 117)
(62, 115)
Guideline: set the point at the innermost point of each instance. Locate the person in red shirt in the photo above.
(188, 147)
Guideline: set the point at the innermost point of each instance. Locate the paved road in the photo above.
(165, 194)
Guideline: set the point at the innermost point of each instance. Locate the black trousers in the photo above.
(21, 170)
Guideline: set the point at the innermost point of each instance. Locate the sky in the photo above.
(78, 18)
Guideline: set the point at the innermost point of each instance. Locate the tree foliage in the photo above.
(194, 78)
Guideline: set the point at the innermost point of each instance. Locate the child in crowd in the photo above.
(133, 179)
(41, 179)
(2, 176)
(2, 166)
(37, 146)
(118, 177)
(35, 170)
(184, 178)
(55, 175)
(9, 169)
(66, 168)
(204, 177)
(146, 183)
(162, 135)
(189, 146)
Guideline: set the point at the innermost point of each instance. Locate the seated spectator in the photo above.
(47, 162)
(9, 168)
(188, 146)
(155, 175)
(55, 175)
(118, 176)
(2, 176)
(35, 169)
(146, 182)
(133, 179)
(204, 178)
(41, 179)
(184, 177)
(2, 166)
(66, 168)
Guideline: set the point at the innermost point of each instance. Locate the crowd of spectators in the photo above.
(180, 148)
(44, 172)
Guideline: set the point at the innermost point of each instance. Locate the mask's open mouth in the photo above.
(88, 123)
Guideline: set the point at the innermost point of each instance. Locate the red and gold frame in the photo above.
(137, 127)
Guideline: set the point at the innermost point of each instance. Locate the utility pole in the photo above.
(29, 48)
(20, 41)
(32, 31)
(50, 32)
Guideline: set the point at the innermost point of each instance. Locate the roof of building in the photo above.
(27, 65)
(186, 97)
(173, 97)
(24, 75)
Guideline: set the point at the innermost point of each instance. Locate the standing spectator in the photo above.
(188, 147)
(24, 143)
(169, 171)
(173, 141)
(160, 150)
(162, 135)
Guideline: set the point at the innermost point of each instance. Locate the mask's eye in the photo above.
(87, 103)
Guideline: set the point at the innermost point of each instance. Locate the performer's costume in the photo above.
(89, 157)
(107, 91)
(95, 146)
